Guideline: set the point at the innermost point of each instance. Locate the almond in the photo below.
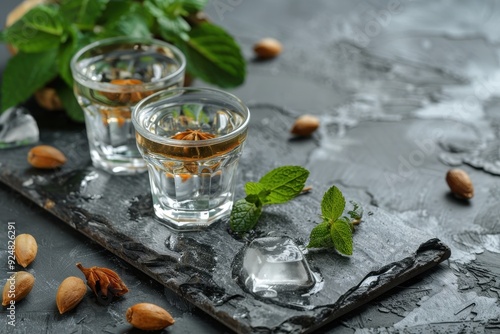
(267, 48)
(48, 98)
(70, 293)
(17, 287)
(25, 249)
(46, 157)
(460, 183)
(149, 317)
(305, 125)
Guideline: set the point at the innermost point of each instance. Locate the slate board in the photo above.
(116, 212)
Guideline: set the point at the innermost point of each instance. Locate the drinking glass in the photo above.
(191, 139)
(111, 76)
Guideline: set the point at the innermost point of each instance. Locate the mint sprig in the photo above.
(65, 26)
(336, 230)
(278, 186)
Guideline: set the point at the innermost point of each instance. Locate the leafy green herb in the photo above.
(320, 236)
(336, 230)
(278, 186)
(245, 215)
(356, 213)
(213, 56)
(25, 74)
(41, 29)
(63, 27)
(284, 184)
(83, 13)
(341, 232)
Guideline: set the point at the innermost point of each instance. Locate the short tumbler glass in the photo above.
(191, 139)
(111, 76)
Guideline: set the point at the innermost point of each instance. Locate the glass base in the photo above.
(119, 167)
(190, 220)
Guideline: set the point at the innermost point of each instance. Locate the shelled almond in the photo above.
(46, 157)
(149, 317)
(17, 287)
(26, 249)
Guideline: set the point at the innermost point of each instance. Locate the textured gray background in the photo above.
(397, 100)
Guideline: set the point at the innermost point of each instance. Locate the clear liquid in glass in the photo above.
(107, 111)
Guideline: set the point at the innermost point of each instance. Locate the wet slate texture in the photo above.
(399, 106)
(116, 212)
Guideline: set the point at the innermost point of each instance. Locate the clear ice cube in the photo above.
(275, 264)
(17, 128)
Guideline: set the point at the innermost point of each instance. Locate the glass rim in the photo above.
(188, 143)
(109, 87)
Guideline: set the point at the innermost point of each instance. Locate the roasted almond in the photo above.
(267, 48)
(305, 125)
(149, 317)
(46, 157)
(17, 287)
(70, 293)
(25, 249)
(460, 183)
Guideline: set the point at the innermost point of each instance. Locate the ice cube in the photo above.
(17, 128)
(275, 264)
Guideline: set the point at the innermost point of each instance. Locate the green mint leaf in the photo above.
(341, 233)
(24, 74)
(168, 14)
(284, 183)
(244, 216)
(115, 9)
(357, 211)
(257, 189)
(174, 28)
(213, 56)
(67, 51)
(70, 104)
(83, 13)
(254, 188)
(193, 6)
(333, 204)
(40, 29)
(136, 21)
(320, 236)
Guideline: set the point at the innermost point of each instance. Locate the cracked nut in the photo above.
(70, 293)
(17, 287)
(267, 48)
(25, 249)
(46, 157)
(460, 183)
(305, 125)
(149, 317)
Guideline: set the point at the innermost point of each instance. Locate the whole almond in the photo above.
(305, 125)
(149, 317)
(460, 183)
(48, 98)
(70, 293)
(17, 287)
(46, 157)
(267, 48)
(25, 249)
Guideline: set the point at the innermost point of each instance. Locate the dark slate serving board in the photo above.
(116, 212)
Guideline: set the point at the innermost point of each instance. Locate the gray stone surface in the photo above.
(116, 212)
